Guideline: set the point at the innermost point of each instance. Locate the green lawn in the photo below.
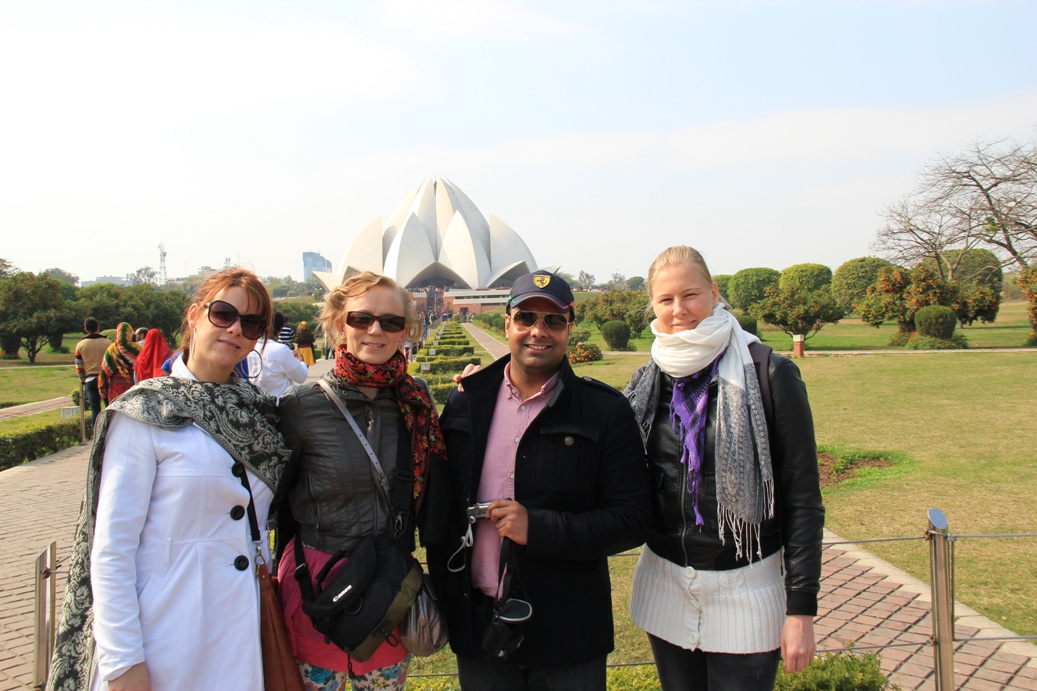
(30, 384)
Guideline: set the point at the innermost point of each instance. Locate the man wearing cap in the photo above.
(560, 461)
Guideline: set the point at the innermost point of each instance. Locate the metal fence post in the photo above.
(943, 612)
(45, 593)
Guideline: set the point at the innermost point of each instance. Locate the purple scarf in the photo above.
(688, 412)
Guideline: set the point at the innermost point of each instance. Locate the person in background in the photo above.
(89, 356)
(139, 334)
(559, 461)
(117, 366)
(163, 562)
(276, 366)
(727, 583)
(304, 340)
(286, 334)
(153, 354)
(334, 498)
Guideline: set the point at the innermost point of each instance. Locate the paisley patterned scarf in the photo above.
(419, 414)
(239, 416)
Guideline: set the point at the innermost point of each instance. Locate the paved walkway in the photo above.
(864, 601)
(33, 408)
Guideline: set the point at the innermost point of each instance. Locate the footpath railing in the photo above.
(941, 572)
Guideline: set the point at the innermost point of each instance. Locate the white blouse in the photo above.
(172, 563)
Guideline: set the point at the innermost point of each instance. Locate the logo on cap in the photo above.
(541, 281)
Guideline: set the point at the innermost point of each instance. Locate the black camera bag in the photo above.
(358, 609)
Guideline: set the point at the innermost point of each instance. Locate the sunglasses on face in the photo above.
(527, 319)
(391, 323)
(223, 314)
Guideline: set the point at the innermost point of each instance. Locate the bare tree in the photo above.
(985, 197)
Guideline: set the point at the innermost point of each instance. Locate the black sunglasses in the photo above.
(223, 314)
(391, 323)
(527, 319)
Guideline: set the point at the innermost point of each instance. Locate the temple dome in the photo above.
(437, 234)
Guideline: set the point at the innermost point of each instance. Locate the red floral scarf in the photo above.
(419, 414)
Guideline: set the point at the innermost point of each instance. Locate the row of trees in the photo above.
(39, 309)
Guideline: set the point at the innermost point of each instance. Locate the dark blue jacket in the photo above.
(581, 474)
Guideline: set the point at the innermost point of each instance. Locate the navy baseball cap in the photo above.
(542, 284)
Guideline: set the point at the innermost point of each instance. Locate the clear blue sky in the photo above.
(761, 133)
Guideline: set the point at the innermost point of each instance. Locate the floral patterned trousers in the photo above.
(392, 678)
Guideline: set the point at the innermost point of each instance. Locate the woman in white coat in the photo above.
(164, 563)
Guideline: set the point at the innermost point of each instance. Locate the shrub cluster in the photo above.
(936, 321)
(583, 352)
(616, 334)
(919, 341)
(453, 352)
(39, 441)
(748, 324)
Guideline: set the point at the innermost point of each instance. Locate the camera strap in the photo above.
(507, 572)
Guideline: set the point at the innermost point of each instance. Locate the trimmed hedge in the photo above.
(39, 441)
(446, 365)
(444, 351)
(936, 321)
(616, 334)
(748, 324)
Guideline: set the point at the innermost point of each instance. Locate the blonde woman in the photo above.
(335, 499)
(727, 582)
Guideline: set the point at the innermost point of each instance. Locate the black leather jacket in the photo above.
(332, 489)
(798, 512)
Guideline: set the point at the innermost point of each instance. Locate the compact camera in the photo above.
(477, 511)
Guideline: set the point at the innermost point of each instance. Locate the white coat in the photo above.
(166, 571)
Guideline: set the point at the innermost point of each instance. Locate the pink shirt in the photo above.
(511, 418)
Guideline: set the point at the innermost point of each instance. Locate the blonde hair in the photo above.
(678, 255)
(234, 277)
(335, 303)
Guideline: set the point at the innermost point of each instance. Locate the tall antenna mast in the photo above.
(161, 263)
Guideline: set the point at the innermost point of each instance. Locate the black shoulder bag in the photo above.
(358, 609)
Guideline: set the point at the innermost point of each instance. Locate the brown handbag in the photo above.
(280, 670)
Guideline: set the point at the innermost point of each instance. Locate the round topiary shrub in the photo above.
(748, 324)
(936, 321)
(579, 334)
(616, 334)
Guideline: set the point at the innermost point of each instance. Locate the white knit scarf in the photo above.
(744, 476)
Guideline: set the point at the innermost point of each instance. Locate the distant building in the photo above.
(313, 261)
(117, 280)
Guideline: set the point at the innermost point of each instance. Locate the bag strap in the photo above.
(399, 500)
(253, 522)
(761, 357)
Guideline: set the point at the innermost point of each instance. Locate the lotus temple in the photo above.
(439, 245)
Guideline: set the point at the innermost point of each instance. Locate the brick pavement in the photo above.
(864, 600)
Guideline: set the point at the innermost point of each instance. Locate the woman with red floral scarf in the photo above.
(335, 499)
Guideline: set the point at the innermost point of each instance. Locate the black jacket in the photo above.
(798, 512)
(580, 473)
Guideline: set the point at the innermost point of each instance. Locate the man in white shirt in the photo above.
(274, 366)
